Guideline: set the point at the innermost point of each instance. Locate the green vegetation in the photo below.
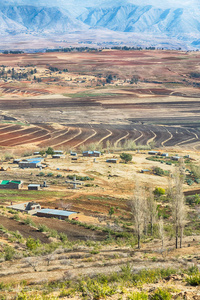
(126, 157)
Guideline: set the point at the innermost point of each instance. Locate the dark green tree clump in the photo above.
(126, 157)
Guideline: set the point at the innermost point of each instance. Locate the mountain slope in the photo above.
(39, 19)
(132, 18)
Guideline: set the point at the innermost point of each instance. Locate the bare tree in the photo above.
(178, 205)
(64, 205)
(151, 208)
(161, 231)
(33, 262)
(137, 209)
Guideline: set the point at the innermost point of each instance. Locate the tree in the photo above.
(42, 152)
(126, 157)
(109, 78)
(111, 211)
(152, 208)
(161, 231)
(178, 206)
(137, 210)
(50, 151)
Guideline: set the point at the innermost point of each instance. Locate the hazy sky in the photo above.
(85, 3)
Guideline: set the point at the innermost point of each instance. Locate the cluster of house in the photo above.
(176, 157)
(18, 184)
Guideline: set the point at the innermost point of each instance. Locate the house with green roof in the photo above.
(11, 184)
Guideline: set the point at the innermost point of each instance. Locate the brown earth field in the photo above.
(78, 108)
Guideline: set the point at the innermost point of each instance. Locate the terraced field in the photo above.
(74, 136)
(162, 107)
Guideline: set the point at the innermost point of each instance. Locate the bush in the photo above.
(32, 244)
(43, 228)
(126, 157)
(9, 252)
(50, 174)
(161, 294)
(159, 191)
(158, 171)
(194, 280)
(41, 174)
(138, 296)
(16, 218)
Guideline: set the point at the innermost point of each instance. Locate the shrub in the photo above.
(126, 157)
(138, 296)
(159, 191)
(161, 294)
(16, 218)
(43, 228)
(158, 171)
(9, 252)
(41, 174)
(194, 280)
(50, 174)
(63, 237)
(32, 244)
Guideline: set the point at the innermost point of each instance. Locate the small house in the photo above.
(33, 187)
(145, 171)
(73, 154)
(11, 184)
(112, 160)
(28, 207)
(58, 151)
(16, 161)
(31, 162)
(153, 152)
(58, 156)
(165, 154)
(91, 153)
(176, 158)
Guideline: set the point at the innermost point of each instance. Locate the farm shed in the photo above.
(92, 153)
(36, 153)
(16, 161)
(153, 152)
(11, 184)
(28, 207)
(31, 163)
(58, 156)
(165, 154)
(145, 171)
(112, 160)
(73, 154)
(58, 151)
(177, 158)
(56, 213)
(33, 187)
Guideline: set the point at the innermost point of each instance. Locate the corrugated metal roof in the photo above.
(31, 162)
(57, 212)
(33, 185)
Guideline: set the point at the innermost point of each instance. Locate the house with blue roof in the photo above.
(31, 162)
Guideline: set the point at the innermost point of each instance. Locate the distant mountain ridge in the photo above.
(37, 19)
(181, 24)
(148, 19)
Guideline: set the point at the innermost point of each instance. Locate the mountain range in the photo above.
(174, 23)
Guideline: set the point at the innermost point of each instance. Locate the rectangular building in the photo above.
(11, 184)
(55, 213)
